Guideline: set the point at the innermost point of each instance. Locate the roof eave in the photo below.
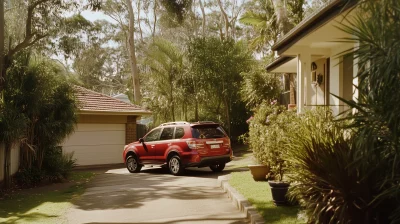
(332, 9)
(278, 62)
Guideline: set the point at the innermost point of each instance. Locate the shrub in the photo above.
(29, 177)
(57, 165)
(329, 178)
(267, 135)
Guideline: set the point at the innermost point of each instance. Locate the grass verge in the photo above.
(259, 194)
(45, 204)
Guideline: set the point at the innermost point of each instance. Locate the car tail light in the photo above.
(194, 145)
(227, 144)
(191, 144)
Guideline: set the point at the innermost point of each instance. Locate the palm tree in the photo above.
(166, 64)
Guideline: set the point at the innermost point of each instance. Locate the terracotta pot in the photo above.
(259, 172)
(291, 106)
(279, 190)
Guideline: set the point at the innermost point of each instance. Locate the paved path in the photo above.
(154, 196)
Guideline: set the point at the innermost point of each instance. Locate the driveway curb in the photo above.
(240, 201)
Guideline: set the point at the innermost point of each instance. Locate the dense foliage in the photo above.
(259, 86)
(268, 136)
(216, 66)
(47, 104)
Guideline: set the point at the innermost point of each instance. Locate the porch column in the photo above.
(303, 72)
(355, 78)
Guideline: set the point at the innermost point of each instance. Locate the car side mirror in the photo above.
(141, 140)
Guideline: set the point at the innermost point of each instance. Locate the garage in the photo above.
(105, 125)
(95, 144)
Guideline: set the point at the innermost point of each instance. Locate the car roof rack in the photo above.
(174, 123)
(205, 122)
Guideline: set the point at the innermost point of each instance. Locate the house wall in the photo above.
(130, 134)
(337, 79)
(348, 77)
(318, 92)
(14, 160)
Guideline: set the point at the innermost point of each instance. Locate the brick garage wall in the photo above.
(130, 129)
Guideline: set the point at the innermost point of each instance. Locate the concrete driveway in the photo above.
(154, 196)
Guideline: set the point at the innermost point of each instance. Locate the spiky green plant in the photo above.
(377, 120)
(322, 181)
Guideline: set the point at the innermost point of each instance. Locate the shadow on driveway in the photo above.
(117, 188)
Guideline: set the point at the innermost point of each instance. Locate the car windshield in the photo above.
(207, 132)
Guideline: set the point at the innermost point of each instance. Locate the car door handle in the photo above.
(152, 146)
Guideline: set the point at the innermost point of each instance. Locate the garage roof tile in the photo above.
(91, 101)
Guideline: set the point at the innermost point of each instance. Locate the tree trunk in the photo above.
(153, 33)
(2, 52)
(196, 110)
(132, 54)
(138, 21)
(203, 18)
(171, 97)
(7, 166)
(226, 19)
(227, 109)
(185, 106)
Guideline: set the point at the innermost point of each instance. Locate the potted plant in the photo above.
(279, 188)
(259, 171)
(277, 129)
(257, 140)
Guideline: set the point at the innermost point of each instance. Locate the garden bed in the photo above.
(259, 194)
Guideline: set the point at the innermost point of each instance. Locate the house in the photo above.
(105, 125)
(313, 50)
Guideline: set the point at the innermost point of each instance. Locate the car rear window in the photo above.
(207, 132)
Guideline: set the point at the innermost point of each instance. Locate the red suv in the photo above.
(181, 145)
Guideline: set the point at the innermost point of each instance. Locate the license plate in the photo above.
(215, 146)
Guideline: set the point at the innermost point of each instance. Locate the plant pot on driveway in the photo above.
(259, 172)
(279, 190)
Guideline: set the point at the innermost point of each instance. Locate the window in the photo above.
(153, 135)
(179, 132)
(207, 132)
(167, 133)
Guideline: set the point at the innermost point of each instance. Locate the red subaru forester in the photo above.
(181, 145)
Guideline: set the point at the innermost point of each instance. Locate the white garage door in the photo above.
(96, 144)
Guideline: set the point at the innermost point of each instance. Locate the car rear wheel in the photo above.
(132, 164)
(175, 166)
(217, 167)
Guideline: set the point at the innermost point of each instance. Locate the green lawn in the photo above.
(259, 194)
(43, 206)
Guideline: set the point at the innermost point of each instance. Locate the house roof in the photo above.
(330, 10)
(91, 102)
